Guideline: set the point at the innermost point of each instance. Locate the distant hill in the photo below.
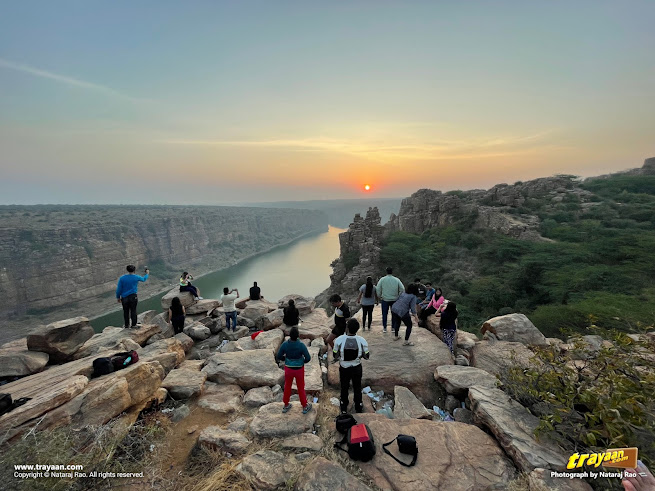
(340, 212)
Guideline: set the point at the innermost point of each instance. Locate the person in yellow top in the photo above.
(186, 286)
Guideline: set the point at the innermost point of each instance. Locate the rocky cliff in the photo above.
(54, 255)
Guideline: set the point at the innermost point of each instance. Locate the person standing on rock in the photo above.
(291, 315)
(176, 315)
(433, 306)
(186, 286)
(449, 326)
(350, 349)
(126, 293)
(295, 354)
(255, 292)
(388, 290)
(228, 298)
(368, 298)
(400, 312)
(341, 315)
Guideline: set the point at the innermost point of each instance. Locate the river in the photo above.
(302, 267)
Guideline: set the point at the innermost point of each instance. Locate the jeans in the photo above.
(395, 324)
(345, 376)
(299, 375)
(367, 311)
(231, 316)
(129, 309)
(385, 311)
(190, 288)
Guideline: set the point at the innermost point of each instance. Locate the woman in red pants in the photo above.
(295, 354)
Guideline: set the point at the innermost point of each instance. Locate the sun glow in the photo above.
(367, 187)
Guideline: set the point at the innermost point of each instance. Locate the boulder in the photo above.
(540, 479)
(304, 304)
(17, 361)
(457, 379)
(186, 298)
(259, 396)
(452, 403)
(155, 338)
(320, 344)
(243, 321)
(161, 320)
(584, 347)
(314, 325)
(465, 340)
(514, 327)
(195, 365)
(146, 317)
(186, 342)
(270, 422)
(270, 320)
(182, 383)
(266, 469)
(313, 374)
(197, 331)
(406, 405)
(241, 304)
(324, 475)
(270, 340)
(224, 399)
(232, 346)
(303, 442)
(168, 352)
(497, 357)
(452, 456)
(393, 364)
(463, 415)
(514, 427)
(239, 424)
(216, 438)
(254, 311)
(248, 369)
(61, 339)
(241, 332)
(117, 339)
(203, 306)
(179, 413)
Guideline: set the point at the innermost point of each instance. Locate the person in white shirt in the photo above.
(350, 349)
(228, 300)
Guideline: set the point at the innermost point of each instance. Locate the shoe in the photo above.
(408, 343)
(199, 298)
(396, 338)
(359, 409)
(286, 408)
(307, 408)
(384, 330)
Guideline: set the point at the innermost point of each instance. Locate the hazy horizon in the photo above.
(216, 103)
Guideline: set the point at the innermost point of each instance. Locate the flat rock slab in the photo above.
(267, 469)
(169, 353)
(452, 456)
(457, 379)
(314, 325)
(393, 364)
(257, 397)
(514, 427)
(497, 357)
(203, 306)
(514, 327)
(61, 339)
(197, 331)
(240, 332)
(255, 310)
(303, 442)
(248, 369)
(313, 374)
(406, 405)
(270, 422)
(223, 399)
(270, 340)
(324, 475)
(192, 365)
(217, 438)
(182, 383)
(114, 339)
(186, 298)
(17, 361)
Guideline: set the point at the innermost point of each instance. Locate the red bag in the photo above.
(255, 334)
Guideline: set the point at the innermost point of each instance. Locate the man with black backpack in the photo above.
(350, 349)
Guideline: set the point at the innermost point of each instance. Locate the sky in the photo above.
(215, 102)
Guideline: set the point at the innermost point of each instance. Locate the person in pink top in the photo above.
(433, 307)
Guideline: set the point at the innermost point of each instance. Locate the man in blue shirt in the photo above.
(126, 290)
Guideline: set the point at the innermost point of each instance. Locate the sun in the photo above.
(367, 187)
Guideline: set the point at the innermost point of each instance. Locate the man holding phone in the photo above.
(126, 293)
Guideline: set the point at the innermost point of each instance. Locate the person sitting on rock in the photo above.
(295, 354)
(341, 315)
(256, 292)
(186, 286)
(229, 308)
(448, 325)
(291, 316)
(368, 298)
(421, 290)
(428, 296)
(176, 315)
(126, 294)
(400, 312)
(350, 349)
(433, 307)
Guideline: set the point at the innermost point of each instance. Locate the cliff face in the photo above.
(55, 255)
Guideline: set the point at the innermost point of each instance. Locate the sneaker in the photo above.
(408, 343)
(286, 408)
(200, 298)
(384, 330)
(307, 408)
(396, 338)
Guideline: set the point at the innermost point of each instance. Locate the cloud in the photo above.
(73, 82)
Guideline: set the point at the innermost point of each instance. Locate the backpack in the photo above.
(361, 445)
(344, 422)
(5, 403)
(406, 445)
(351, 349)
(102, 366)
(124, 359)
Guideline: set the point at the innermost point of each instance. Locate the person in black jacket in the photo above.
(448, 325)
(291, 315)
(341, 316)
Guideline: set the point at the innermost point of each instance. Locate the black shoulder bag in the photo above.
(406, 445)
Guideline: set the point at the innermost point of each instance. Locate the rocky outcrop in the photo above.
(324, 475)
(224, 399)
(514, 327)
(303, 442)
(61, 339)
(259, 396)
(407, 406)
(183, 383)
(314, 325)
(248, 369)
(117, 339)
(215, 437)
(304, 304)
(17, 361)
(457, 379)
(270, 422)
(497, 357)
(453, 456)
(266, 469)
